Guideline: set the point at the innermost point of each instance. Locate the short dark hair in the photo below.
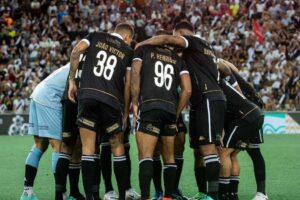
(161, 32)
(184, 25)
(125, 27)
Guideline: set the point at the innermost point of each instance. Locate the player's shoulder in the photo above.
(196, 39)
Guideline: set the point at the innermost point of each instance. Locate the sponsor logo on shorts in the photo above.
(87, 122)
(201, 138)
(152, 129)
(66, 134)
(112, 128)
(44, 127)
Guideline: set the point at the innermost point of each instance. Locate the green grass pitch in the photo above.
(282, 155)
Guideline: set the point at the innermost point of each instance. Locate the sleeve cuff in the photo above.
(184, 72)
(186, 42)
(128, 68)
(234, 84)
(138, 59)
(86, 41)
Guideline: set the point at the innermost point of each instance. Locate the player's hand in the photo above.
(72, 90)
(138, 45)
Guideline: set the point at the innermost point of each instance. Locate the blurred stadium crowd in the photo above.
(262, 37)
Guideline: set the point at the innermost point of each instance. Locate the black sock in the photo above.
(74, 173)
(169, 179)
(145, 176)
(234, 184)
(157, 171)
(97, 177)
(179, 162)
(201, 179)
(61, 174)
(88, 174)
(259, 169)
(106, 168)
(30, 174)
(223, 186)
(212, 171)
(127, 153)
(121, 170)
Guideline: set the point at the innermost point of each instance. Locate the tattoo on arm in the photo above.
(75, 55)
(135, 81)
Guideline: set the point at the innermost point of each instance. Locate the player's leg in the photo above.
(69, 136)
(235, 176)
(131, 193)
(31, 166)
(157, 171)
(119, 162)
(199, 170)
(74, 171)
(87, 117)
(178, 150)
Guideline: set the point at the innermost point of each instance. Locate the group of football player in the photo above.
(82, 111)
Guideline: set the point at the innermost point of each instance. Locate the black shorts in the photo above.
(157, 123)
(105, 138)
(238, 133)
(181, 127)
(256, 139)
(206, 122)
(95, 115)
(70, 131)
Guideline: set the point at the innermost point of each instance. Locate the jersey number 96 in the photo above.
(163, 75)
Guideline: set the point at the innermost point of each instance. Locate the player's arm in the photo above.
(80, 48)
(186, 91)
(227, 64)
(135, 84)
(223, 67)
(127, 93)
(165, 39)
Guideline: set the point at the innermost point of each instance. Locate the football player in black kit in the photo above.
(157, 72)
(208, 103)
(243, 119)
(70, 154)
(103, 97)
(254, 142)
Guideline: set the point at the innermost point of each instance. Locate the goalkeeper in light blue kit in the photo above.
(45, 117)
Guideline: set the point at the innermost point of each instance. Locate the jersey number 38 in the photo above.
(105, 66)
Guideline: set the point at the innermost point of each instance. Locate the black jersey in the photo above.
(102, 78)
(77, 77)
(201, 60)
(160, 78)
(238, 106)
(246, 88)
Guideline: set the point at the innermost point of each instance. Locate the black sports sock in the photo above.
(145, 176)
(97, 177)
(223, 186)
(259, 169)
(157, 171)
(30, 174)
(127, 153)
(61, 174)
(169, 179)
(212, 170)
(234, 184)
(121, 170)
(74, 173)
(201, 179)
(88, 173)
(106, 168)
(179, 162)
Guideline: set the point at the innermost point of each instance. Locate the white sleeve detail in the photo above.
(86, 41)
(186, 42)
(128, 68)
(234, 84)
(184, 72)
(138, 59)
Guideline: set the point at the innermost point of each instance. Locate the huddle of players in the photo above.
(112, 74)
